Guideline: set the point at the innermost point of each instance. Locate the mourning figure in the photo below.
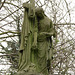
(36, 50)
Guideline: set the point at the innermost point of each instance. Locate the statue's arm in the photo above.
(46, 33)
(35, 38)
(35, 31)
(34, 46)
(51, 31)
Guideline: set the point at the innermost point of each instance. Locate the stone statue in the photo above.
(35, 53)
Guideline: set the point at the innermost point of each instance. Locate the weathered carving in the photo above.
(36, 43)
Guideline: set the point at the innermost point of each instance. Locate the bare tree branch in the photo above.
(2, 4)
(65, 24)
(8, 36)
(9, 54)
(9, 32)
(10, 14)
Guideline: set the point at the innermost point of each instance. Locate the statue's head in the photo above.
(39, 12)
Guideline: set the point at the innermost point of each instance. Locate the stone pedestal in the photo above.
(29, 70)
(27, 73)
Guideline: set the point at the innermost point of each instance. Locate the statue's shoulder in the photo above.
(45, 20)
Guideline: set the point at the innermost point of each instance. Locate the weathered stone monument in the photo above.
(35, 53)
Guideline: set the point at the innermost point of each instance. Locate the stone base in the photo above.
(29, 70)
(25, 73)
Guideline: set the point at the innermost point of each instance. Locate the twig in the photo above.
(9, 32)
(8, 36)
(65, 24)
(2, 4)
(10, 14)
(9, 54)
